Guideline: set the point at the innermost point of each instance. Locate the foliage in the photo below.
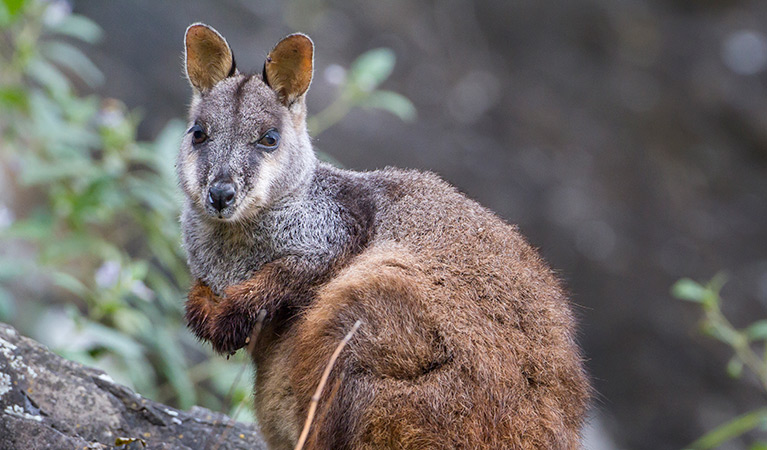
(750, 352)
(94, 252)
(360, 89)
(101, 232)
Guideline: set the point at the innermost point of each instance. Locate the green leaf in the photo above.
(371, 68)
(246, 415)
(757, 331)
(63, 251)
(13, 6)
(79, 27)
(35, 228)
(12, 268)
(138, 269)
(70, 57)
(48, 76)
(119, 343)
(223, 375)
(395, 103)
(10, 10)
(687, 289)
(12, 98)
(142, 375)
(166, 292)
(730, 430)
(70, 283)
(38, 174)
(45, 115)
(759, 446)
(132, 321)
(175, 368)
(7, 306)
(166, 143)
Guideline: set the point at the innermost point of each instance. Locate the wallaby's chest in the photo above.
(220, 265)
(223, 257)
(223, 254)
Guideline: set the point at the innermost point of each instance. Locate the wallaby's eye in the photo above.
(269, 141)
(198, 134)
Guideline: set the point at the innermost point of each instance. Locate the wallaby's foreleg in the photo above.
(227, 321)
(201, 304)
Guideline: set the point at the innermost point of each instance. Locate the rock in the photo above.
(47, 402)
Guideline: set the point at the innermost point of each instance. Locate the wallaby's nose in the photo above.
(221, 195)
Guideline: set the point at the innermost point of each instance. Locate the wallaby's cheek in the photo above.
(189, 177)
(259, 185)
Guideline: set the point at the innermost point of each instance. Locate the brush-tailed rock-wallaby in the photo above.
(467, 338)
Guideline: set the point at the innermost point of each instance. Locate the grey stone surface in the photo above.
(47, 402)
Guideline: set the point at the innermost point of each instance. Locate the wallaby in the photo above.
(467, 338)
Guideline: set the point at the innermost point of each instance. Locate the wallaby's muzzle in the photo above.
(221, 195)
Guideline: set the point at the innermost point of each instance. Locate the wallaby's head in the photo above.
(247, 144)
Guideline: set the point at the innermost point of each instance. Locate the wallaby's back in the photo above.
(467, 339)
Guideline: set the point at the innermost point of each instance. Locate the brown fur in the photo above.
(467, 341)
(467, 338)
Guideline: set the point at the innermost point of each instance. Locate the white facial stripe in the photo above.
(190, 177)
(266, 172)
(259, 194)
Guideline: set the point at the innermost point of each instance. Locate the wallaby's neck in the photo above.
(310, 222)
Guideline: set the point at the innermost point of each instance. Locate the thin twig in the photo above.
(730, 430)
(321, 386)
(740, 345)
(228, 399)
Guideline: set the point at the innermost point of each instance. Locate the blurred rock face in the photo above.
(627, 139)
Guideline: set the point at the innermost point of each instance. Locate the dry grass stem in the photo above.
(321, 385)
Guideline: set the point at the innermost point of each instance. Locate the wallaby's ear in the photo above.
(208, 57)
(288, 67)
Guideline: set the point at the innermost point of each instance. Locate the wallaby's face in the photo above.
(246, 146)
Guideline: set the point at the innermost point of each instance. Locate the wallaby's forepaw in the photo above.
(226, 322)
(231, 326)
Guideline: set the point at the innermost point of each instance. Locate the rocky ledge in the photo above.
(47, 402)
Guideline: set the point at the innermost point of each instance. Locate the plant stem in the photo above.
(730, 430)
(329, 116)
(321, 386)
(740, 344)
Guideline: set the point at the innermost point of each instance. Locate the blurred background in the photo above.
(627, 138)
